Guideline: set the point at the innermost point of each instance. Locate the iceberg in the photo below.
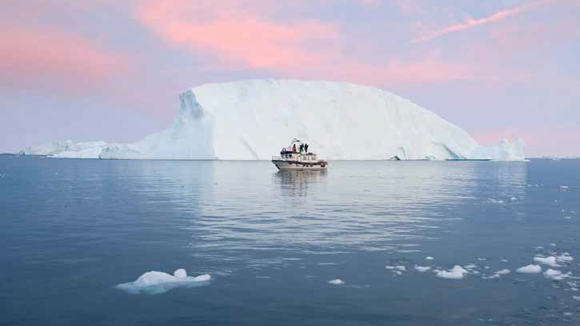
(159, 282)
(253, 119)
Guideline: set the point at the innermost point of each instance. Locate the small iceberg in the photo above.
(530, 269)
(159, 282)
(564, 258)
(422, 269)
(336, 282)
(556, 275)
(456, 273)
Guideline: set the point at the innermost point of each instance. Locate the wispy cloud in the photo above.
(471, 23)
(53, 59)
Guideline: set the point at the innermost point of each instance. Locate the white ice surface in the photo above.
(336, 282)
(254, 119)
(564, 258)
(550, 261)
(530, 269)
(456, 273)
(422, 269)
(159, 282)
(556, 275)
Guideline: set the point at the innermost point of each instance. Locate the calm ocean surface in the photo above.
(71, 230)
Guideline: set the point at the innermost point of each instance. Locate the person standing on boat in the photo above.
(305, 148)
(301, 148)
(294, 148)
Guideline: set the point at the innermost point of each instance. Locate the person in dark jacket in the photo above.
(301, 148)
(306, 148)
(294, 148)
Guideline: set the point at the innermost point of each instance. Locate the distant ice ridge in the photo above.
(254, 119)
(159, 282)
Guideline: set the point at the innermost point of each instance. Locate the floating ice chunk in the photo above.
(530, 269)
(429, 258)
(576, 298)
(471, 266)
(568, 217)
(336, 282)
(456, 273)
(552, 244)
(513, 198)
(397, 268)
(159, 282)
(550, 261)
(202, 278)
(564, 187)
(503, 272)
(504, 260)
(495, 201)
(498, 274)
(481, 259)
(568, 314)
(564, 258)
(556, 275)
(422, 269)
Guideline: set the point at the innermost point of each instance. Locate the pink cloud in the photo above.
(32, 57)
(238, 37)
(471, 23)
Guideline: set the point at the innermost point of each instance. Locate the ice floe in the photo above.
(556, 274)
(398, 270)
(576, 298)
(503, 272)
(456, 273)
(550, 261)
(336, 282)
(429, 258)
(564, 258)
(530, 269)
(422, 269)
(159, 282)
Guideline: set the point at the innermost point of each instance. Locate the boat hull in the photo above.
(299, 166)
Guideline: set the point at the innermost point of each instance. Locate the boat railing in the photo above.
(301, 158)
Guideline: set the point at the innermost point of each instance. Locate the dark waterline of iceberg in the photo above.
(107, 242)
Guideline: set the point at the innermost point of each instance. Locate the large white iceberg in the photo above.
(253, 120)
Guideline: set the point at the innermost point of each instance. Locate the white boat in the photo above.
(292, 158)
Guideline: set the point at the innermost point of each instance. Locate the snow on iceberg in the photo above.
(252, 120)
(159, 282)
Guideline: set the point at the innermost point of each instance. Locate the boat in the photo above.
(291, 158)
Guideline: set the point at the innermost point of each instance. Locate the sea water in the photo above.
(365, 243)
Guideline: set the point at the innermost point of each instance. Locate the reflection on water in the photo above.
(236, 208)
(296, 183)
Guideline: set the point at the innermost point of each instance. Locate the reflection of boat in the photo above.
(296, 158)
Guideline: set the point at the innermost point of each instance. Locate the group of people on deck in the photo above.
(303, 148)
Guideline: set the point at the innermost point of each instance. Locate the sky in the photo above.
(113, 70)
